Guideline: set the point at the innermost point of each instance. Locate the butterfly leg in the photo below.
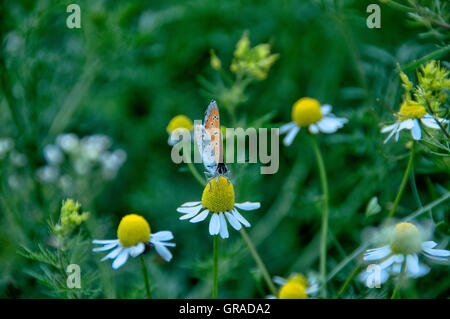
(217, 181)
(208, 179)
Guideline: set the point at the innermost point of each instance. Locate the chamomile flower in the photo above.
(175, 127)
(134, 237)
(318, 118)
(405, 246)
(411, 116)
(296, 286)
(217, 202)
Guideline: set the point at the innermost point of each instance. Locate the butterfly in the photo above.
(209, 142)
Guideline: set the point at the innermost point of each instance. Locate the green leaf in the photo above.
(373, 207)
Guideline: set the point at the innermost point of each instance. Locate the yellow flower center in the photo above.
(218, 196)
(180, 122)
(306, 111)
(133, 229)
(294, 288)
(406, 239)
(411, 109)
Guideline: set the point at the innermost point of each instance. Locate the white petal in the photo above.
(396, 268)
(330, 124)
(389, 128)
(136, 250)
(191, 214)
(415, 131)
(189, 210)
(214, 224)
(429, 244)
(105, 241)
(113, 254)
(223, 226)
(162, 251)
(437, 252)
(394, 130)
(325, 109)
(312, 289)
(279, 280)
(121, 259)
(106, 247)
(291, 135)
(287, 127)
(241, 219)
(431, 122)
(248, 205)
(190, 204)
(377, 253)
(388, 262)
(162, 235)
(423, 270)
(384, 275)
(406, 124)
(200, 217)
(313, 129)
(412, 264)
(233, 221)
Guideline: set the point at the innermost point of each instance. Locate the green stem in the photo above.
(192, 168)
(432, 56)
(399, 6)
(324, 228)
(400, 279)
(348, 280)
(258, 261)
(215, 267)
(145, 274)
(428, 207)
(196, 174)
(404, 181)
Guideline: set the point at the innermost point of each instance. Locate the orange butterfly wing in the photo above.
(212, 125)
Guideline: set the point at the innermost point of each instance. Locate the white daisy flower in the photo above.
(217, 202)
(68, 142)
(53, 154)
(404, 248)
(176, 126)
(134, 238)
(309, 112)
(410, 117)
(296, 286)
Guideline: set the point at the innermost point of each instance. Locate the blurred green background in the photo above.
(134, 65)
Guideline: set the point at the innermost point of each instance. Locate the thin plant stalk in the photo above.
(192, 168)
(349, 280)
(324, 225)
(399, 282)
(404, 181)
(145, 275)
(215, 267)
(258, 261)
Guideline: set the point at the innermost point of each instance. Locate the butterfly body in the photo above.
(209, 141)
